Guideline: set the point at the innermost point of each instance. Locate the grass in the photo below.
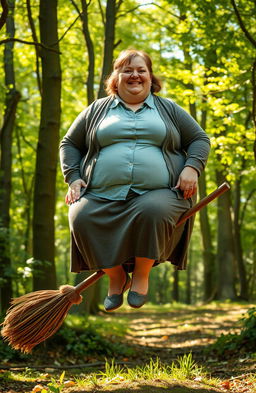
(184, 369)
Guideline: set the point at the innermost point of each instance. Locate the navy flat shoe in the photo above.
(136, 300)
(115, 301)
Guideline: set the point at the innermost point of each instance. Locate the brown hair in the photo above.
(125, 57)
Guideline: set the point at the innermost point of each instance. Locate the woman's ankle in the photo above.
(117, 278)
(140, 284)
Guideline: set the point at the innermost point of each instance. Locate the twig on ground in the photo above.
(61, 367)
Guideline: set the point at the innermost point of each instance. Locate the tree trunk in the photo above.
(47, 151)
(209, 257)
(175, 290)
(188, 280)
(11, 101)
(90, 51)
(252, 278)
(208, 253)
(28, 193)
(225, 247)
(109, 44)
(4, 14)
(238, 244)
(91, 296)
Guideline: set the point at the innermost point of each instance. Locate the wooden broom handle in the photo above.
(89, 281)
(203, 202)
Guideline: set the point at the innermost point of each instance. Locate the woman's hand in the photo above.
(74, 189)
(187, 182)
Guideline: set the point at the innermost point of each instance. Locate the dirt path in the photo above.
(168, 332)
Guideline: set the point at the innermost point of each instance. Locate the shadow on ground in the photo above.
(173, 388)
(10, 386)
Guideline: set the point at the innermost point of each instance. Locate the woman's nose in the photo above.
(134, 74)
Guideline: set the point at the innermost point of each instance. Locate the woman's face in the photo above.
(134, 81)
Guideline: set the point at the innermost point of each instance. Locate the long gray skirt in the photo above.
(108, 233)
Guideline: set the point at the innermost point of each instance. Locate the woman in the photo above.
(132, 162)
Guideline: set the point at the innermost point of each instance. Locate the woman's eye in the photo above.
(132, 71)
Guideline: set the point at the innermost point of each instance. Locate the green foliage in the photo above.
(9, 354)
(243, 342)
(56, 386)
(89, 340)
(186, 367)
(111, 369)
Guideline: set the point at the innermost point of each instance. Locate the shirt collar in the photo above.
(149, 101)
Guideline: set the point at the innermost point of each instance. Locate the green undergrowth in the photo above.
(92, 335)
(7, 353)
(242, 343)
(80, 336)
(182, 370)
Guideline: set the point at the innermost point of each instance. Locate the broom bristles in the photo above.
(34, 317)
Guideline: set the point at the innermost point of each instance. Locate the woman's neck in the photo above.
(133, 103)
(134, 107)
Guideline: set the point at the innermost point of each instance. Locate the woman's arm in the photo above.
(196, 143)
(73, 148)
(194, 139)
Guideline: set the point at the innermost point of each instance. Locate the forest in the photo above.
(55, 57)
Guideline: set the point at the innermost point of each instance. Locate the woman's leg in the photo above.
(117, 278)
(140, 275)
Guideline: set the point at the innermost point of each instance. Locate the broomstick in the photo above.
(34, 317)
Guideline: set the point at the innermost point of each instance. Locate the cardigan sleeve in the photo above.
(194, 140)
(73, 148)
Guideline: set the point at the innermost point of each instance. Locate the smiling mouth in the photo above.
(134, 83)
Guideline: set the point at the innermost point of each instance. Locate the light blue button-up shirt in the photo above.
(130, 156)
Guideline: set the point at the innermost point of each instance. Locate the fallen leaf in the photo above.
(115, 380)
(164, 338)
(37, 388)
(68, 384)
(226, 384)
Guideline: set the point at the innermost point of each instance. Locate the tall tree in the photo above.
(175, 288)
(84, 16)
(208, 251)
(109, 42)
(12, 98)
(225, 247)
(237, 240)
(4, 14)
(90, 50)
(47, 150)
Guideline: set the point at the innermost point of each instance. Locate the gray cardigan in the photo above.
(185, 144)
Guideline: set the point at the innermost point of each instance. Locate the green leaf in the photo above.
(62, 377)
